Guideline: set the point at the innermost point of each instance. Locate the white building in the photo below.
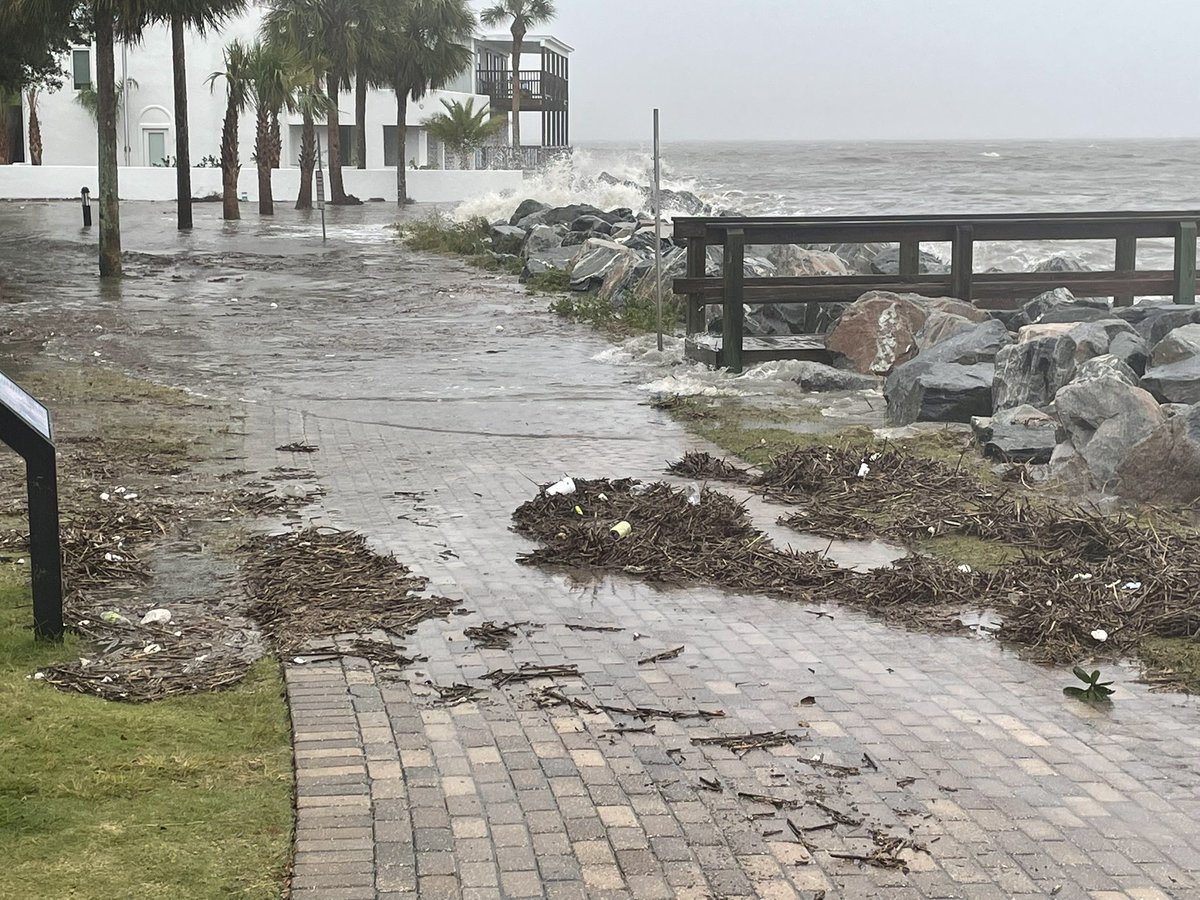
(145, 122)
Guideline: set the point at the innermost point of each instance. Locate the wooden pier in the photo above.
(732, 289)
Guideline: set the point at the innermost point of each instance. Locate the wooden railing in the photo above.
(540, 90)
(732, 289)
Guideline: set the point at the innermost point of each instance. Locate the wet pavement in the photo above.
(438, 397)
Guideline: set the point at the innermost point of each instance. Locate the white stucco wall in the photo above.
(69, 134)
(143, 183)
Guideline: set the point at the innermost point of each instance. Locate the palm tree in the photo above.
(426, 46)
(275, 75)
(524, 14)
(35, 128)
(201, 15)
(296, 25)
(462, 129)
(7, 98)
(89, 98)
(237, 95)
(368, 51)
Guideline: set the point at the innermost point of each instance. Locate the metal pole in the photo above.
(45, 555)
(658, 233)
(320, 187)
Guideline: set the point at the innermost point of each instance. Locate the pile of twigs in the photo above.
(319, 582)
(671, 540)
(496, 635)
(699, 464)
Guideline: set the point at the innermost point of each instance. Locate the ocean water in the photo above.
(890, 178)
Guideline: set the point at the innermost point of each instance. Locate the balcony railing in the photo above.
(540, 90)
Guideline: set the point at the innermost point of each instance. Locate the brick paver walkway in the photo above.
(402, 379)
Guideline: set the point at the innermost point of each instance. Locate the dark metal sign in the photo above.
(25, 427)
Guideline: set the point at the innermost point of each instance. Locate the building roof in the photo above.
(503, 41)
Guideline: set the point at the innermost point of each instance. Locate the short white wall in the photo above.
(140, 183)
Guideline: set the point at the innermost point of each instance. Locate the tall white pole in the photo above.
(658, 233)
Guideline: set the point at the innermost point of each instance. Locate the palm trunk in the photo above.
(262, 152)
(337, 192)
(5, 150)
(229, 164)
(35, 131)
(401, 142)
(360, 121)
(275, 145)
(308, 159)
(110, 210)
(518, 41)
(183, 156)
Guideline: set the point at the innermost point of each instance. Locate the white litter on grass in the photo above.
(1133, 586)
(151, 649)
(104, 496)
(95, 353)
(965, 569)
(864, 470)
(113, 557)
(566, 486)
(157, 616)
(1081, 576)
(21, 561)
(131, 496)
(1100, 635)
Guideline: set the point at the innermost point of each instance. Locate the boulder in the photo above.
(1153, 321)
(1174, 409)
(542, 238)
(596, 257)
(1022, 434)
(1104, 418)
(591, 223)
(527, 208)
(887, 262)
(1131, 349)
(1105, 366)
(815, 376)
(554, 258)
(949, 382)
(559, 215)
(1068, 465)
(1058, 305)
(1059, 263)
(1177, 382)
(878, 331)
(1046, 357)
(857, 257)
(507, 239)
(1164, 467)
(794, 260)
(1179, 343)
(939, 326)
(620, 278)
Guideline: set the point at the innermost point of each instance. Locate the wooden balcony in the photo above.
(541, 91)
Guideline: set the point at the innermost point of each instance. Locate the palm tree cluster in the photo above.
(307, 53)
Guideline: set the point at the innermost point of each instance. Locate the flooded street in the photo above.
(438, 397)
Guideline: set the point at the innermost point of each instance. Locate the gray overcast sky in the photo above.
(883, 69)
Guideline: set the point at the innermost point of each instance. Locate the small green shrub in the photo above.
(1097, 691)
(490, 263)
(552, 281)
(438, 234)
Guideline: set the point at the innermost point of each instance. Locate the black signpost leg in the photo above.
(45, 557)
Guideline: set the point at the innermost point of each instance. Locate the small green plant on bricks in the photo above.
(1096, 690)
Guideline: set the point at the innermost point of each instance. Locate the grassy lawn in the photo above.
(186, 797)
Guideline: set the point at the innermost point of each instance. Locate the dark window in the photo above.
(346, 145)
(389, 145)
(81, 68)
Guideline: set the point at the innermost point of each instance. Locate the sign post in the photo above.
(658, 233)
(321, 187)
(25, 427)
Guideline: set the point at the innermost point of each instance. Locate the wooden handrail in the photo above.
(734, 234)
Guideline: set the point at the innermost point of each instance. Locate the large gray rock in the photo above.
(507, 239)
(1177, 382)
(1021, 435)
(542, 238)
(1154, 321)
(596, 257)
(556, 258)
(1179, 343)
(794, 260)
(1105, 366)
(1173, 375)
(887, 262)
(527, 208)
(1046, 357)
(949, 382)
(1132, 350)
(1164, 468)
(1058, 305)
(815, 376)
(1059, 263)
(857, 257)
(1104, 418)
(878, 331)
(559, 215)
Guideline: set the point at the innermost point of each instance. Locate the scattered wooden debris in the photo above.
(575, 626)
(298, 447)
(531, 672)
(744, 743)
(551, 696)
(454, 694)
(496, 635)
(705, 465)
(661, 657)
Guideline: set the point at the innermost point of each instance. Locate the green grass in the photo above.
(439, 235)
(186, 797)
(1178, 656)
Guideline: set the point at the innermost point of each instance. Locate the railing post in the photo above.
(1126, 261)
(1185, 263)
(910, 257)
(962, 262)
(697, 266)
(734, 296)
